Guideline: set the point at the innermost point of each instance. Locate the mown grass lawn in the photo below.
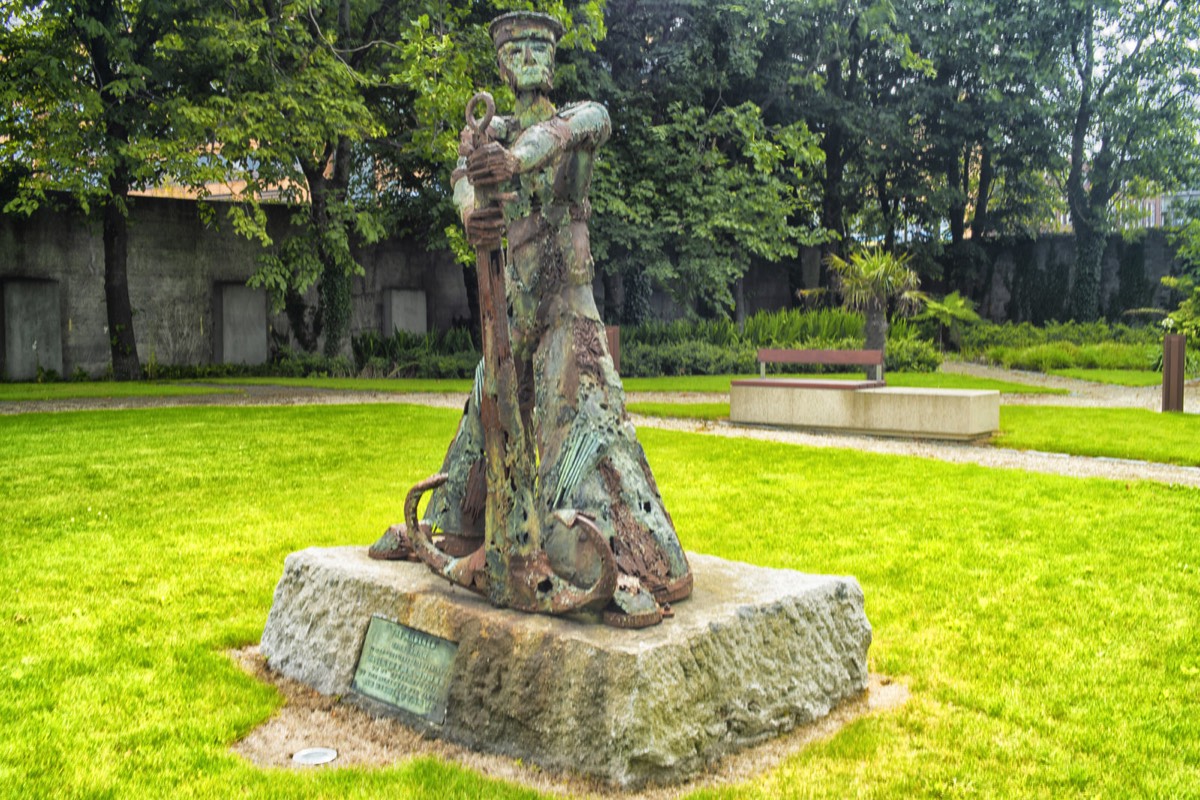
(1130, 433)
(706, 411)
(691, 383)
(86, 389)
(397, 385)
(1048, 627)
(1109, 432)
(1116, 377)
(924, 380)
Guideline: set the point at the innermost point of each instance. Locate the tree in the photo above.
(696, 183)
(1127, 102)
(88, 98)
(982, 141)
(869, 281)
(349, 109)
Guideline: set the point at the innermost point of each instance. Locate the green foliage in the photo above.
(411, 355)
(1024, 334)
(1127, 116)
(1185, 318)
(92, 95)
(873, 277)
(697, 182)
(789, 327)
(1067, 355)
(712, 192)
(695, 357)
(951, 315)
(912, 355)
(713, 347)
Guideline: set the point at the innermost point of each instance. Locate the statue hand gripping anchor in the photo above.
(545, 501)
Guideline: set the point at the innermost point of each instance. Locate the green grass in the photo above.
(1111, 432)
(695, 383)
(924, 380)
(397, 385)
(1048, 627)
(709, 411)
(89, 389)
(1116, 377)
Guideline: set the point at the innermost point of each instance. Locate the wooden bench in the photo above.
(871, 359)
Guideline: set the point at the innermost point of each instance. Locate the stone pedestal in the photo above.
(752, 654)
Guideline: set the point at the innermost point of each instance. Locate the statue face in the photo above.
(528, 64)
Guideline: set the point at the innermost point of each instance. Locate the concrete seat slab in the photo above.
(956, 414)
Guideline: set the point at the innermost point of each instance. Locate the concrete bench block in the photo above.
(961, 414)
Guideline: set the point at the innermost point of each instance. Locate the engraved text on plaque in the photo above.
(406, 668)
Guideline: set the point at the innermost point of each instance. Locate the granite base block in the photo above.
(752, 654)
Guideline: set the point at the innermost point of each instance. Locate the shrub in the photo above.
(413, 355)
(979, 338)
(792, 328)
(1068, 355)
(641, 360)
(912, 355)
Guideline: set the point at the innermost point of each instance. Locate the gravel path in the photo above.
(984, 455)
(1082, 393)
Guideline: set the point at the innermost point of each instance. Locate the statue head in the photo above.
(525, 42)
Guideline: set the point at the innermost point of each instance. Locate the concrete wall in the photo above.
(176, 264)
(1031, 280)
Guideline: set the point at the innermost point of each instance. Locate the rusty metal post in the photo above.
(613, 334)
(1174, 349)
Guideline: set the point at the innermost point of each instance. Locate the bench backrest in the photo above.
(859, 357)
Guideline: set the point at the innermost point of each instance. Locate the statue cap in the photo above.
(525, 25)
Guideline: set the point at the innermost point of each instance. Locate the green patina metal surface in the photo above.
(545, 501)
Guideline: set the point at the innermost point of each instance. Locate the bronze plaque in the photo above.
(405, 668)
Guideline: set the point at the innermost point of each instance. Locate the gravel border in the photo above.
(981, 454)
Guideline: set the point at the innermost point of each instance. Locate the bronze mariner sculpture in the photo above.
(545, 501)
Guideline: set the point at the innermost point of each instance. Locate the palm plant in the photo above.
(870, 280)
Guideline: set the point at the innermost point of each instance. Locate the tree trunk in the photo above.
(832, 203)
(612, 290)
(957, 212)
(123, 343)
(1089, 253)
(335, 287)
(1089, 246)
(739, 303)
(887, 211)
(987, 176)
(876, 326)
